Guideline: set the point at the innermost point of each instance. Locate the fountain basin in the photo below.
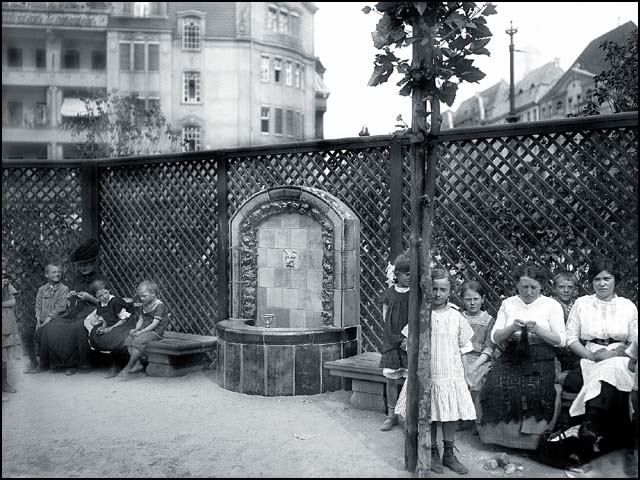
(280, 361)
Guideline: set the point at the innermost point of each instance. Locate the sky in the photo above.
(546, 30)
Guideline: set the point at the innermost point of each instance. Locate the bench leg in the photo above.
(368, 395)
(163, 365)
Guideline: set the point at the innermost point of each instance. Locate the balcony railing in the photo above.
(101, 7)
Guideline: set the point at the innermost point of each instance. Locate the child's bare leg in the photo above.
(137, 367)
(133, 356)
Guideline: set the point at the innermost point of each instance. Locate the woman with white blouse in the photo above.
(520, 399)
(600, 328)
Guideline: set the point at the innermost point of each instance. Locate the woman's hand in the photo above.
(519, 323)
(132, 331)
(532, 326)
(603, 354)
(84, 296)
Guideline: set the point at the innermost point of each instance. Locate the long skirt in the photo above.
(63, 343)
(520, 399)
(112, 341)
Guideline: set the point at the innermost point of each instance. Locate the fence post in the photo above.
(90, 198)
(223, 237)
(395, 200)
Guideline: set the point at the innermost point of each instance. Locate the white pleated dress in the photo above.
(450, 396)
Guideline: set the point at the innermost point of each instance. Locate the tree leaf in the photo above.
(490, 9)
(471, 74)
(366, 9)
(448, 92)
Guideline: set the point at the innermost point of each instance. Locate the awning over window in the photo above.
(72, 107)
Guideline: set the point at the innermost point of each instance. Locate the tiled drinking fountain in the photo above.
(295, 293)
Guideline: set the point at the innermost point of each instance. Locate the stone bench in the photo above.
(367, 382)
(178, 354)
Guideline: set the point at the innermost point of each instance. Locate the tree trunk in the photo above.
(418, 448)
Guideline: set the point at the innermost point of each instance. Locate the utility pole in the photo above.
(511, 118)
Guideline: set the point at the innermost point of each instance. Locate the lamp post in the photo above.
(511, 118)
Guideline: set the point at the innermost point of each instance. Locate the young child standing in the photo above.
(10, 338)
(150, 327)
(451, 400)
(395, 311)
(51, 301)
(478, 360)
(565, 284)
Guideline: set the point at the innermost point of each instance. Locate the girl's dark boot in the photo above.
(436, 462)
(5, 384)
(449, 459)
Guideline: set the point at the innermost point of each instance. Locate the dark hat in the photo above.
(402, 263)
(87, 252)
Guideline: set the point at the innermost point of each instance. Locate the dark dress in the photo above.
(64, 340)
(396, 318)
(113, 341)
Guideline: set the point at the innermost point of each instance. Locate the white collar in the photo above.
(401, 289)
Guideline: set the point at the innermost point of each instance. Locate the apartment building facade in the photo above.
(226, 74)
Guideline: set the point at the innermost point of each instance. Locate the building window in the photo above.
(153, 104)
(40, 115)
(264, 119)
(191, 33)
(191, 87)
(294, 20)
(272, 20)
(71, 59)
(264, 68)
(277, 70)
(528, 116)
(190, 138)
(289, 123)
(288, 74)
(544, 112)
(559, 106)
(154, 57)
(278, 122)
(579, 99)
(125, 56)
(14, 57)
(98, 60)
(296, 76)
(283, 22)
(302, 70)
(138, 57)
(297, 126)
(14, 114)
(141, 9)
(588, 95)
(41, 58)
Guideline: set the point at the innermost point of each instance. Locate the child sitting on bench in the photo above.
(149, 328)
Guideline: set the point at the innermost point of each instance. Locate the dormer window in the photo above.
(191, 33)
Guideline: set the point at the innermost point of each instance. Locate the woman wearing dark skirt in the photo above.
(115, 321)
(519, 398)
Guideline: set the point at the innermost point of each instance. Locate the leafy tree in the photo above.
(117, 125)
(443, 35)
(618, 85)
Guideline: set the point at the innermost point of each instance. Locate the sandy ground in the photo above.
(86, 426)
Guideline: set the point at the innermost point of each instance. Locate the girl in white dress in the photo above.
(450, 397)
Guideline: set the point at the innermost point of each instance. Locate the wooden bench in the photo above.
(178, 354)
(367, 382)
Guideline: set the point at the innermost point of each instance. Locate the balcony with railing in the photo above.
(56, 14)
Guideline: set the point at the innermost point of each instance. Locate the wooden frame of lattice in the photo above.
(557, 192)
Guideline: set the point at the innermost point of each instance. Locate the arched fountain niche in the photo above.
(295, 293)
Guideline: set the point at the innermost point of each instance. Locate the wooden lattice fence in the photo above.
(559, 193)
